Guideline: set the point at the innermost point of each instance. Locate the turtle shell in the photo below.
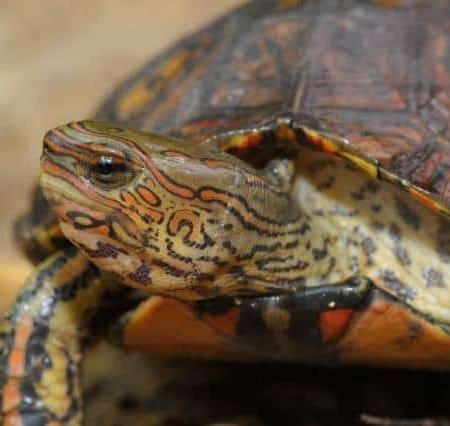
(374, 74)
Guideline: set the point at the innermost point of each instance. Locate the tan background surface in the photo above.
(58, 59)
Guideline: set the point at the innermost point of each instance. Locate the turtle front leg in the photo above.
(40, 359)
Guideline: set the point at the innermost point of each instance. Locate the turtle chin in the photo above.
(136, 268)
(109, 255)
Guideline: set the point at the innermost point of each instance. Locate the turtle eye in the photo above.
(109, 171)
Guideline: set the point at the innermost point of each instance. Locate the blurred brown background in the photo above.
(58, 60)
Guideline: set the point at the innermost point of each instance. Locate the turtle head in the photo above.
(171, 217)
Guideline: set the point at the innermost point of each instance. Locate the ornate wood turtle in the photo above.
(291, 204)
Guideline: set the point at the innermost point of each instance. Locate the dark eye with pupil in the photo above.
(109, 171)
(105, 166)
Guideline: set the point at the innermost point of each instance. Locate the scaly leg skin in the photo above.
(41, 339)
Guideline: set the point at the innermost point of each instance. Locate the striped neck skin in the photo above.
(185, 220)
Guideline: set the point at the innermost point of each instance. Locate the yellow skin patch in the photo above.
(397, 238)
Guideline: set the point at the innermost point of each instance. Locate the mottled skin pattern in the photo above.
(273, 252)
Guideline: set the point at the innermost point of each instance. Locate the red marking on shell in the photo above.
(323, 144)
(225, 323)
(334, 323)
(250, 141)
(425, 199)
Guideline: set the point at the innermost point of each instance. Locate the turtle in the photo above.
(275, 187)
